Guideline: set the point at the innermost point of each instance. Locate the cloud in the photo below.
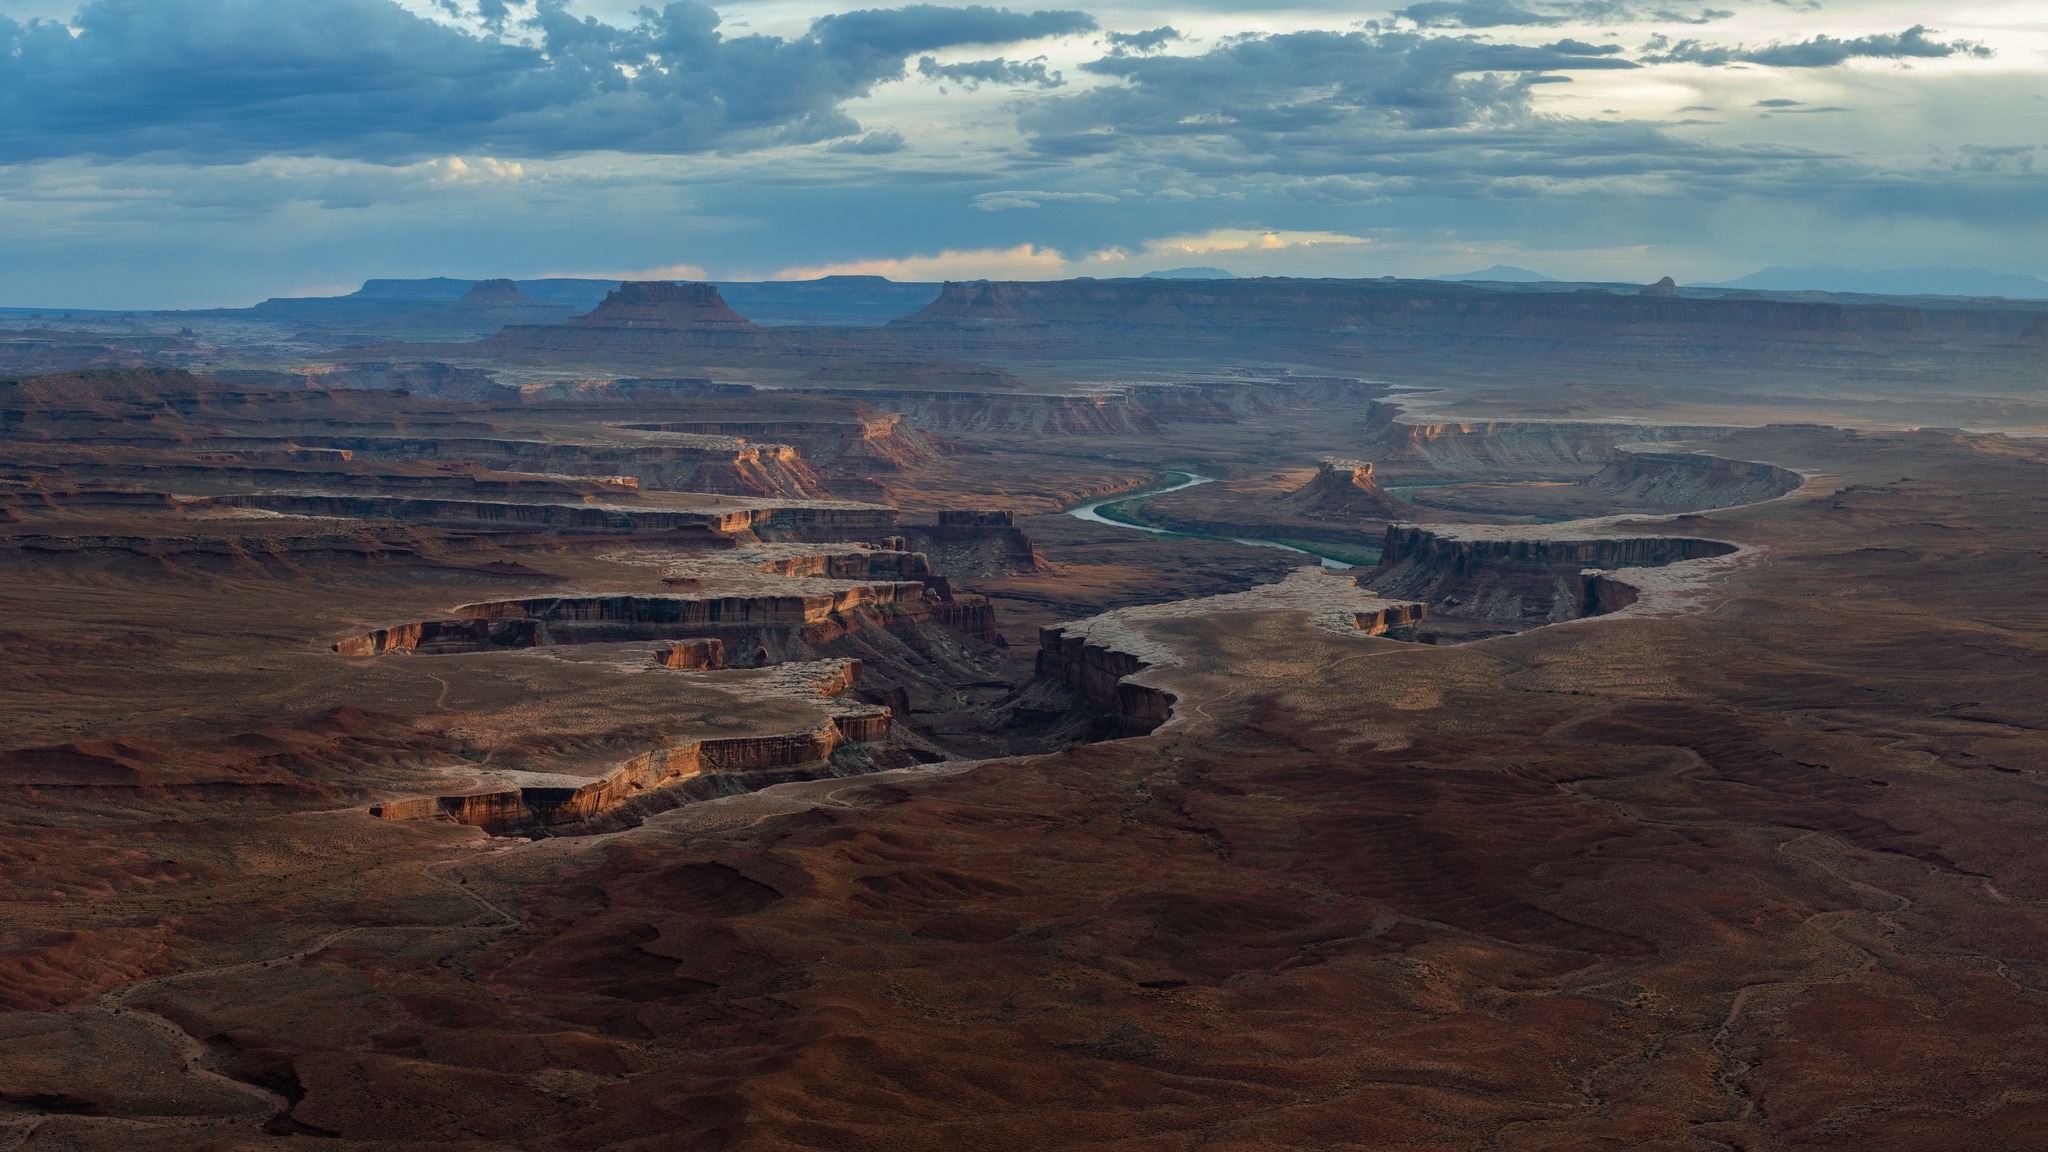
(660, 272)
(1254, 246)
(1246, 240)
(1517, 14)
(228, 80)
(1476, 14)
(1141, 42)
(872, 144)
(1334, 119)
(1819, 52)
(1023, 262)
(1304, 105)
(974, 73)
(1001, 201)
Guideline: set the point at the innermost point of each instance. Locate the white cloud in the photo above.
(1003, 201)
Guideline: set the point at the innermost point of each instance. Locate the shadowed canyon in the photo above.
(568, 715)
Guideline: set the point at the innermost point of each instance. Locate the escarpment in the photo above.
(849, 519)
(880, 441)
(1101, 673)
(1521, 576)
(691, 655)
(571, 619)
(677, 463)
(1685, 481)
(558, 804)
(1562, 449)
(906, 631)
(975, 543)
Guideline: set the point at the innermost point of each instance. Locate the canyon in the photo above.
(574, 715)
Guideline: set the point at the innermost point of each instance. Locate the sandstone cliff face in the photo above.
(1099, 673)
(1519, 580)
(667, 611)
(866, 564)
(690, 655)
(747, 622)
(1381, 621)
(974, 550)
(552, 806)
(1601, 592)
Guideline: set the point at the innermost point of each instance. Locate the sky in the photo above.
(195, 153)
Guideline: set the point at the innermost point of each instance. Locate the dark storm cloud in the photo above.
(228, 80)
(1517, 14)
(1352, 117)
(974, 73)
(1819, 52)
(1270, 87)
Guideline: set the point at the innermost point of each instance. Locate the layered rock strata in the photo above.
(1392, 618)
(820, 618)
(564, 801)
(597, 619)
(691, 655)
(661, 461)
(1343, 490)
(883, 441)
(1688, 480)
(1521, 575)
(842, 519)
(1559, 448)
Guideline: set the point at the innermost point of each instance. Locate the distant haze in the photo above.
(1929, 281)
(1502, 274)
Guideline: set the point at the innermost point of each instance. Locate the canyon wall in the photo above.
(1381, 621)
(1685, 481)
(690, 655)
(553, 806)
(698, 463)
(1520, 448)
(1100, 673)
(745, 622)
(776, 520)
(1518, 576)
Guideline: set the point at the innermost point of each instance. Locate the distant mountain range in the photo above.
(1931, 280)
(1503, 274)
(1191, 274)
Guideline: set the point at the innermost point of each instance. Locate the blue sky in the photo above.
(162, 153)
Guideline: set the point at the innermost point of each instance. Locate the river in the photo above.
(1088, 512)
